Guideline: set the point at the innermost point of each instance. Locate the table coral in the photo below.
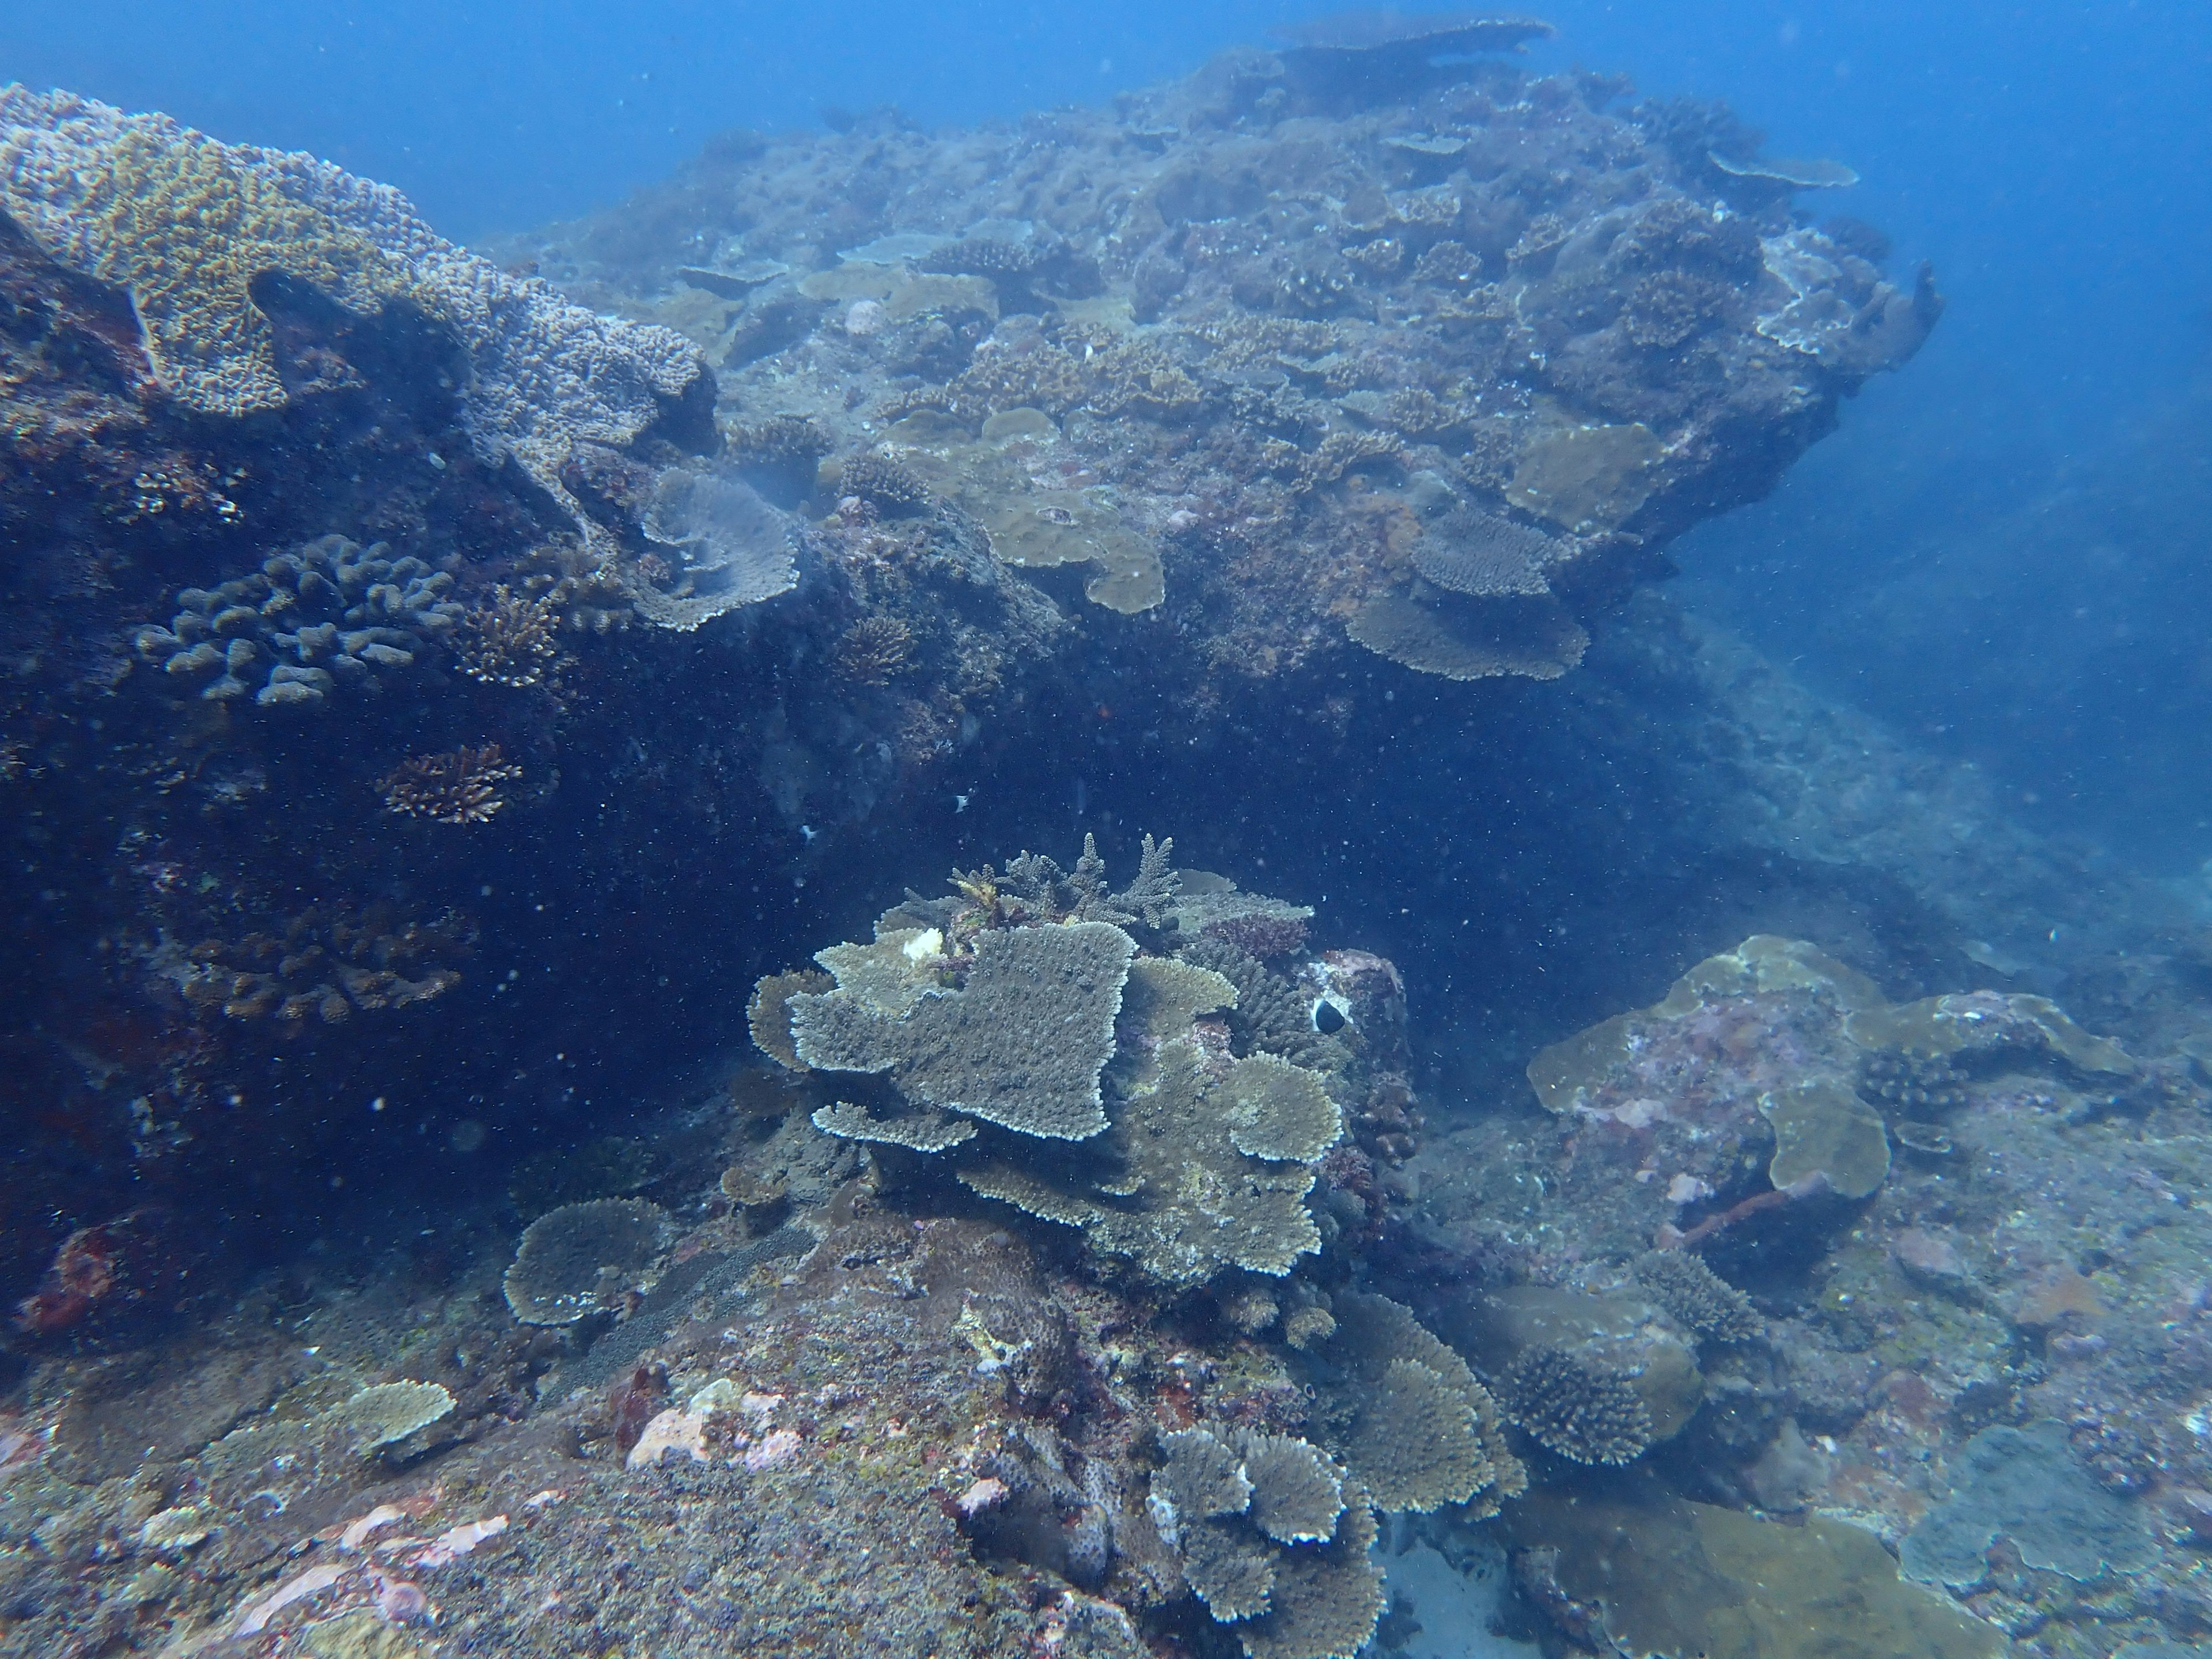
(1066, 1072)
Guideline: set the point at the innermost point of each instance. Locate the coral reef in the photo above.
(189, 226)
(1407, 1416)
(330, 616)
(1270, 1541)
(328, 962)
(1699, 1299)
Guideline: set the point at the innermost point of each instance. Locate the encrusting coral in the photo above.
(188, 226)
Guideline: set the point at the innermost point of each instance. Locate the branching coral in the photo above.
(1697, 1296)
(884, 484)
(512, 639)
(875, 650)
(1571, 1406)
(460, 786)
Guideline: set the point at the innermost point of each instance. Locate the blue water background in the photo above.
(2003, 553)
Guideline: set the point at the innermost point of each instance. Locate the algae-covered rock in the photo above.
(2026, 1485)
(1668, 1578)
(1989, 1026)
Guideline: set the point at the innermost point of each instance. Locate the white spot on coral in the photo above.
(925, 944)
(983, 1495)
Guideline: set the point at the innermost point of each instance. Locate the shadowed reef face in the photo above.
(1085, 446)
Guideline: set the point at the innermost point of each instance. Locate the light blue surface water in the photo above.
(2001, 553)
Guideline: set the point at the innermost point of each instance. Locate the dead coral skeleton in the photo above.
(460, 786)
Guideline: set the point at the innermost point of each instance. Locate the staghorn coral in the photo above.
(512, 639)
(1699, 1299)
(1272, 1015)
(875, 650)
(884, 484)
(460, 786)
(1666, 308)
(792, 443)
(582, 1258)
(1568, 1405)
(187, 224)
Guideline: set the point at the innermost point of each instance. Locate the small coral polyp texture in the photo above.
(188, 227)
(1065, 1047)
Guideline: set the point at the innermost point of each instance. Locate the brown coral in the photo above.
(1581, 1411)
(875, 650)
(460, 786)
(884, 485)
(513, 640)
(326, 964)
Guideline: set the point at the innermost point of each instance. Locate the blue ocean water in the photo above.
(2000, 554)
